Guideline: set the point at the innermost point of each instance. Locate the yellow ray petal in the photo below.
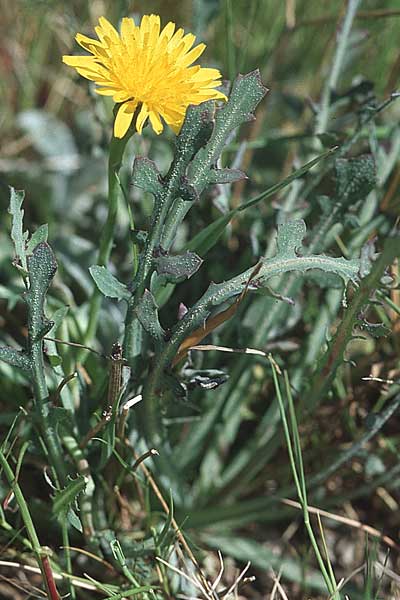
(109, 30)
(128, 28)
(79, 61)
(105, 91)
(156, 122)
(142, 116)
(168, 30)
(207, 74)
(191, 56)
(124, 119)
(87, 43)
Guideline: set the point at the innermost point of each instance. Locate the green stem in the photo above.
(161, 209)
(116, 152)
(68, 561)
(42, 560)
(48, 432)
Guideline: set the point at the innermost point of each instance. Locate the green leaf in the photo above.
(147, 313)
(285, 182)
(178, 268)
(377, 330)
(289, 257)
(225, 176)
(17, 233)
(15, 358)
(58, 317)
(66, 498)
(247, 92)
(196, 130)
(290, 238)
(108, 284)
(42, 267)
(74, 520)
(40, 235)
(146, 176)
(355, 178)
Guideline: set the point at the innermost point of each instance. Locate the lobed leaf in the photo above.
(42, 267)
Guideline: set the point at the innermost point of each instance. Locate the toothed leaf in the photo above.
(15, 358)
(146, 176)
(177, 268)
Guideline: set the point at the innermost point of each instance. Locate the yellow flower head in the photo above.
(147, 71)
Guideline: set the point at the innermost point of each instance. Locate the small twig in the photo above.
(235, 584)
(183, 574)
(105, 418)
(277, 585)
(143, 457)
(61, 385)
(74, 345)
(346, 521)
(174, 524)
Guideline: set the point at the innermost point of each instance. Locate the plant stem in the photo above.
(161, 208)
(42, 402)
(42, 559)
(116, 152)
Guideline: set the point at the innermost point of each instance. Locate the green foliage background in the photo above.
(230, 455)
